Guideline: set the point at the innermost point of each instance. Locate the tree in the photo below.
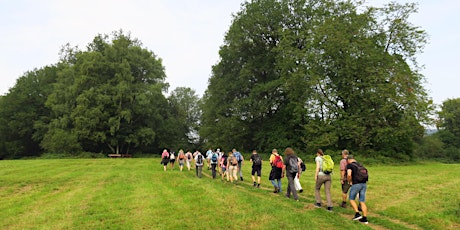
(312, 74)
(109, 96)
(22, 110)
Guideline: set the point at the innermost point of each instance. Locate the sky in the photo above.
(186, 35)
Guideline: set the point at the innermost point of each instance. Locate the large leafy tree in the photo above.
(22, 110)
(107, 97)
(318, 73)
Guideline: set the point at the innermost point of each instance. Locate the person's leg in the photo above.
(280, 185)
(235, 171)
(200, 171)
(259, 173)
(230, 173)
(327, 188)
(354, 189)
(196, 171)
(240, 172)
(213, 171)
(297, 182)
(318, 184)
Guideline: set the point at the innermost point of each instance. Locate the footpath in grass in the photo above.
(138, 194)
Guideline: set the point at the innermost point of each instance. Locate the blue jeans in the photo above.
(358, 188)
(278, 185)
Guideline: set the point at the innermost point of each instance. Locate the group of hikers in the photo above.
(353, 175)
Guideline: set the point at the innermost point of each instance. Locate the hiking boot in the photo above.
(329, 209)
(301, 190)
(364, 220)
(357, 216)
(258, 185)
(344, 204)
(254, 184)
(241, 178)
(317, 205)
(276, 190)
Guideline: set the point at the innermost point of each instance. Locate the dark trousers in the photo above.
(291, 186)
(213, 168)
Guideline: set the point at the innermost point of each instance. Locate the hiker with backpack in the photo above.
(343, 178)
(298, 186)
(199, 162)
(276, 161)
(323, 176)
(172, 159)
(292, 167)
(208, 158)
(181, 157)
(357, 177)
(188, 159)
(223, 165)
(214, 160)
(256, 167)
(240, 159)
(232, 167)
(164, 159)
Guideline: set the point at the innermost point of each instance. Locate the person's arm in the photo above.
(349, 172)
(317, 170)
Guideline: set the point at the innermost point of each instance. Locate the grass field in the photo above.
(137, 194)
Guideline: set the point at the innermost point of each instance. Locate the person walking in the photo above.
(208, 158)
(223, 166)
(188, 159)
(181, 157)
(298, 186)
(256, 168)
(240, 159)
(165, 159)
(358, 184)
(343, 178)
(276, 161)
(214, 161)
(172, 159)
(292, 167)
(320, 179)
(199, 162)
(232, 167)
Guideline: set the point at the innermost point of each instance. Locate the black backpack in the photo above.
(257, 160)
(362, 175)
(199, 159)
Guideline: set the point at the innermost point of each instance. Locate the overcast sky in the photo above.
(186, 35)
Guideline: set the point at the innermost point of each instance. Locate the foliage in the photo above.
(449, 122)
(318, 74)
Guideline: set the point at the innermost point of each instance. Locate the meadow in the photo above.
(137, 194)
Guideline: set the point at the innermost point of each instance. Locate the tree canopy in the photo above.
(318, 74)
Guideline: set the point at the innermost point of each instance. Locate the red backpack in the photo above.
(278, 162)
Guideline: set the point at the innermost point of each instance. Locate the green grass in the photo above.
(138, 194)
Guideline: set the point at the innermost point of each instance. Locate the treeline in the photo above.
(106, 99)
(305, 74)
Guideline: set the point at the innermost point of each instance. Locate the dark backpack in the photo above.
(293, 165)
(303, 166)
(257, 160)
(361, 174)
(199, 160)
(214, 158)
